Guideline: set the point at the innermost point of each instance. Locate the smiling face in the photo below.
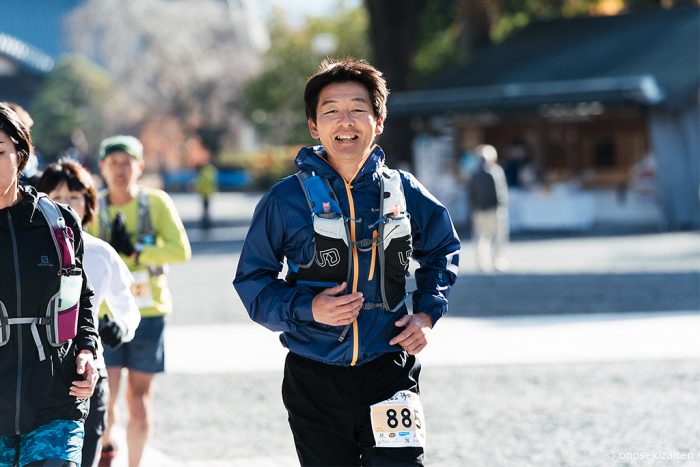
(345, 122)
(8, 164)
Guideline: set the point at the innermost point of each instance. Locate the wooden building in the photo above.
(608, 105)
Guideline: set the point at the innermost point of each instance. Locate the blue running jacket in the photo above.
(282, 228)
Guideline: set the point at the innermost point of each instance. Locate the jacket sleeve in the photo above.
(436, 247)
(269, 300)
(86, 337)
(118, 295)
(172, 246)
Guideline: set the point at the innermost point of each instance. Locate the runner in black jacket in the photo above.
(43, 401)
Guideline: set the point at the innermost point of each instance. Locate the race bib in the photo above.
(141, 289)
(398, 421)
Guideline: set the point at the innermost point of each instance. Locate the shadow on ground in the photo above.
(539, 294)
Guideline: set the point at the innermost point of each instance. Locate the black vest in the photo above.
(333, 247)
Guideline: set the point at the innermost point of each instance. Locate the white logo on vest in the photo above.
(328, 258)
(404, 258)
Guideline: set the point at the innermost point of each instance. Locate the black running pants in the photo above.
(329, 409)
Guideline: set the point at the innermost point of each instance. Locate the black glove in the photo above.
(111, 332)
(120, 237)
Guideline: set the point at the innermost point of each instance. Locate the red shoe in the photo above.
(108, 454)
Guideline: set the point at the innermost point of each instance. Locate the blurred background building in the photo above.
(595, 119)
(592, 104)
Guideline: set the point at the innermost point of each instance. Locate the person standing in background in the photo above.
(206, 184)
(488, 199)
(143, 225)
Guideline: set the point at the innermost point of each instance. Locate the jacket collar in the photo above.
(29, 202)
(314, 159)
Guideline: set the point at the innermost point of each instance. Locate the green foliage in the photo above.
(438, 39)
(70, 100)
(274, 99)
(516, 14)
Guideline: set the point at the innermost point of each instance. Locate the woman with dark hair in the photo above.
(67, 182)
(47, 333)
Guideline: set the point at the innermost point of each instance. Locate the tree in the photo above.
(507, 16)
(70, 107)
(414, 40)
(187, 59)
(393, 30)
(273, 99)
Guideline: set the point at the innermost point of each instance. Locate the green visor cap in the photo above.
(124, 143)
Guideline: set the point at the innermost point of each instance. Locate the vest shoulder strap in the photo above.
(62, 236)
(320, 197)
(105, 225)
(145, 226)
(302, 177)
(392, 198)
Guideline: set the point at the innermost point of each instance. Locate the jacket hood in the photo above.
(314, 158)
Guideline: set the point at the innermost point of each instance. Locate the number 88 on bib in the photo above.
(398, 421)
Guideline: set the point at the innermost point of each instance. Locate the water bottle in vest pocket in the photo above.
(397, 247)
(331, 237)
(396, 240)
(62, 311)
(67, 305)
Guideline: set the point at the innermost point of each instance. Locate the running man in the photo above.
(347, 226)
(143, 225)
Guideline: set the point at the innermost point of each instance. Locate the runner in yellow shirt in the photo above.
(143, 225)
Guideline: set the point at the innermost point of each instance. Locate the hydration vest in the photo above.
(145, 232)
(61, 318)
(332, 260)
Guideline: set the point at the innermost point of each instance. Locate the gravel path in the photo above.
(585, 414)
(582, 414)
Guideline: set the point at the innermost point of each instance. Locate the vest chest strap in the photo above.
(35, 331)
(372, 305)
(366, 244)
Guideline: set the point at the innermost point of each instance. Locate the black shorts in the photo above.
(329, 409)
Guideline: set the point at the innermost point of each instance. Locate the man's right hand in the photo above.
(334, 309)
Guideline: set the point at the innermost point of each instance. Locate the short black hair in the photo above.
(77, 178)
(342, 71)
(13, 126)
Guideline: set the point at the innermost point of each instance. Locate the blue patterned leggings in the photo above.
(57, 440)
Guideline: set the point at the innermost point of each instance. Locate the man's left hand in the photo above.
(85, 365)
(413, 338)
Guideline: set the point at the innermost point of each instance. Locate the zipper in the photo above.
(355, 272)
(19, 315)
(355, 261)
